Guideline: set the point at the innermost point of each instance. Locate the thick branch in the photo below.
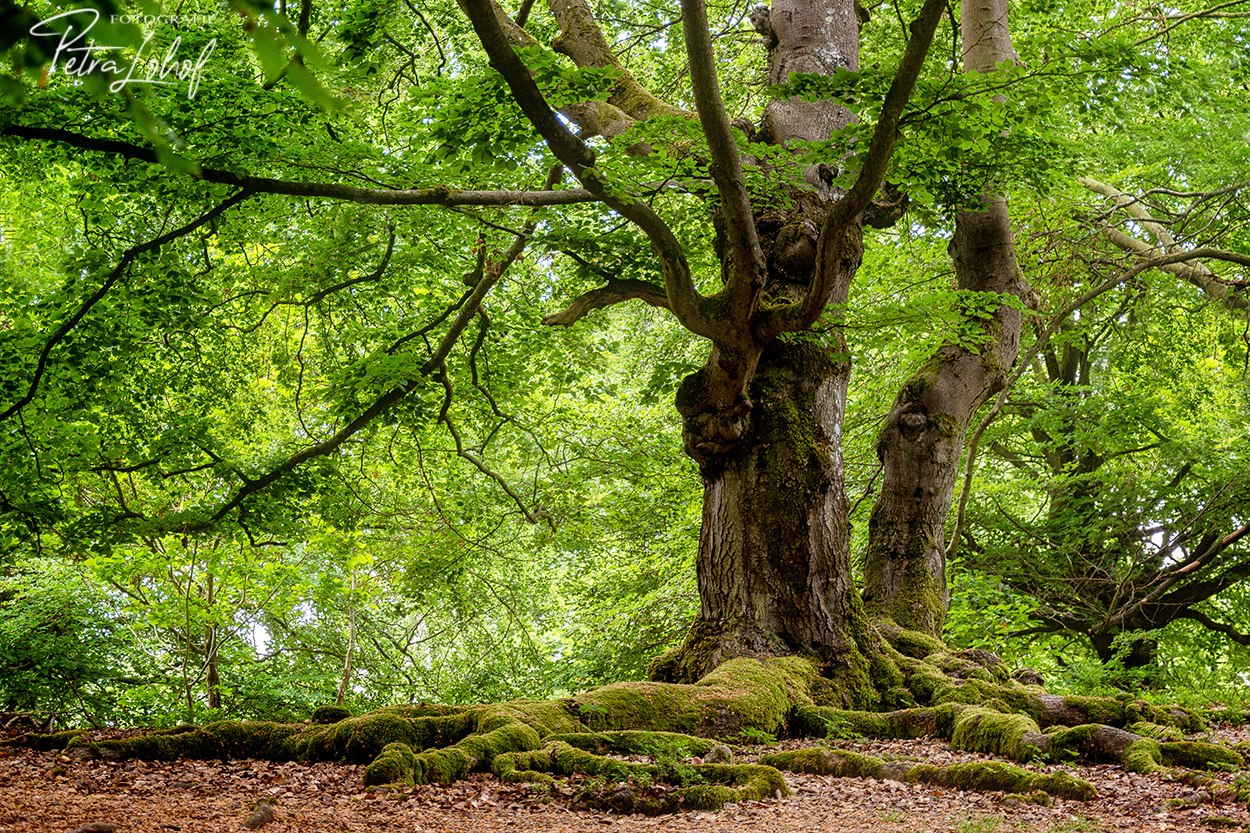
(439, 195)
(1191, 270)
(684, 300)
(885, 135)
(1191, 594)
(849, 209)
(746, 271)
(617, 291)
(1210, 624)
(582, 40)
(1025, 360)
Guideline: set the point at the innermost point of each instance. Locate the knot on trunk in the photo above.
(712, 436)
(912, 425)
(788, 238)
(716, 415)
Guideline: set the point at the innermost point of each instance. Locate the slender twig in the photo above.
(127, 258)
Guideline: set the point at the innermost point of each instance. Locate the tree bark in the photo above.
(346, 677)
(921, 442)
(773, 566)
(212, 669)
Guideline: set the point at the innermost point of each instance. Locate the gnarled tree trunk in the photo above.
(773, 564)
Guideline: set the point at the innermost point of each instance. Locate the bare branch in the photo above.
(531, 516)
(1210, 624)
(1177, 20)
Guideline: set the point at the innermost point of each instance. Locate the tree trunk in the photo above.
(921, 443)
(346, 677)
(773, 566)
(212, 675)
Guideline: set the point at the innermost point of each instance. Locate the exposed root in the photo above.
(980, 776)
(969, 698)
(700, 786)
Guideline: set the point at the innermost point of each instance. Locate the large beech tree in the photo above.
(789, 196)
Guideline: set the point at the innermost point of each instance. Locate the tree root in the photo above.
(979, 776)
(968, 698)
(700, 786)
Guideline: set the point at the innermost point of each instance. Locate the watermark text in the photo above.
(79, 55)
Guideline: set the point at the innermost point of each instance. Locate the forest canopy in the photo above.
(342, 363)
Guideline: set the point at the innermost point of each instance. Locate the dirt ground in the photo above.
(44, 791)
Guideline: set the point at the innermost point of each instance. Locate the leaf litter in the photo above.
(46, 791)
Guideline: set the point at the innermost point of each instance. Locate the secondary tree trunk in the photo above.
(921, 442)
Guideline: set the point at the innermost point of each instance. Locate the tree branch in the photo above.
(439, 195)
(372, 276)
(1210, 624)
(1177, 20)
(582, 40)
(127, 258)
(1195, 272)
(617, 291)
(1025, 360)
(832, 245)
(885, 135)
(487, 279)
(746, 269)
(684, 299)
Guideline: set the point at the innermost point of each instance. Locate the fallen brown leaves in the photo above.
(44, 791)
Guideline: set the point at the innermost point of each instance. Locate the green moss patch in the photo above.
(979, 776)
(700, 787)
(823, 760)
(634, 742)
(44, 742)
(1198, 755)
(1098, 709)
(739, 694)
(905, 724)
(1155, 730)
(1143, 756)
(394, 765)
(1014, 736)
(1004, 777)
(913, 644)
(330, 713)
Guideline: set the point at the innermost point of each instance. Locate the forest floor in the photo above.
(44, 791)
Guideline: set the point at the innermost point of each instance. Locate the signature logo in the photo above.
(79, 55)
